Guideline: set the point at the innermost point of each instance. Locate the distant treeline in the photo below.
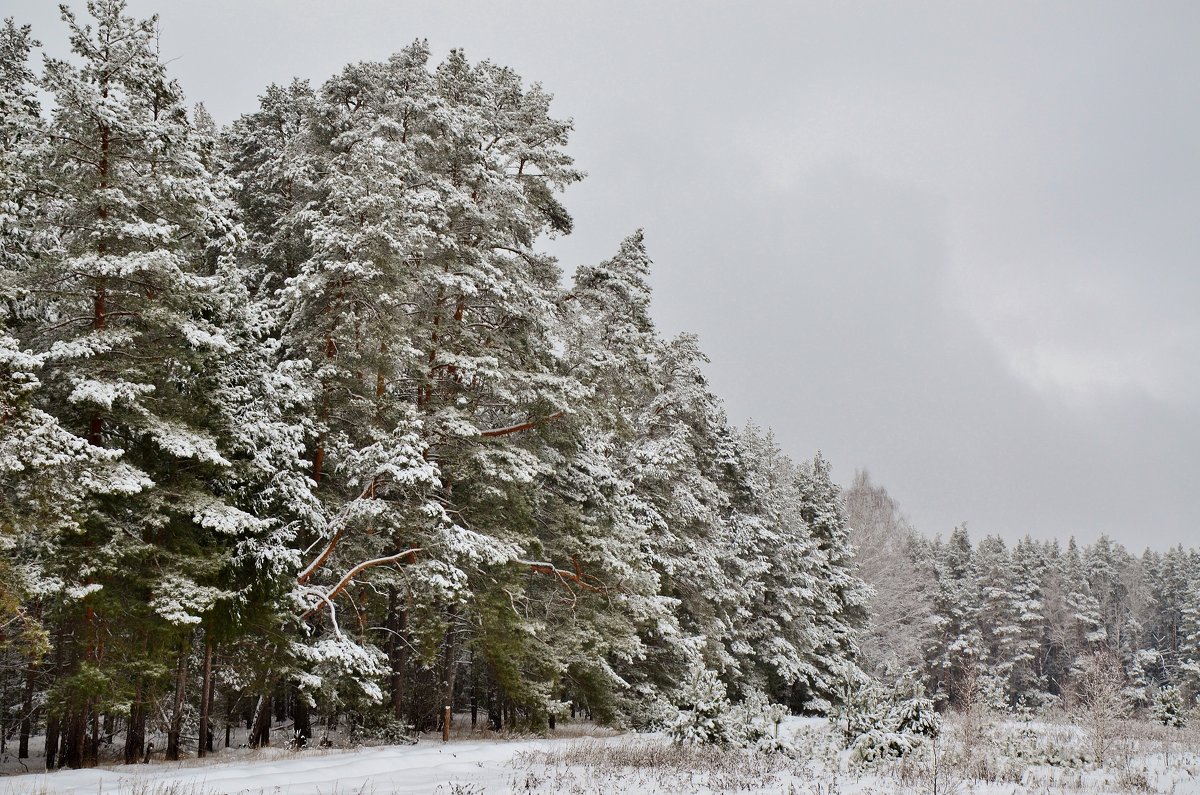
(1020, 620)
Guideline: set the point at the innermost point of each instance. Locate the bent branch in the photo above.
(408, 555)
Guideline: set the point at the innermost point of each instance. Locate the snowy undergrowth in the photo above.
(1004, 757)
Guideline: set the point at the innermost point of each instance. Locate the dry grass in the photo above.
(460, 729)
(651, 765)
(127, 788)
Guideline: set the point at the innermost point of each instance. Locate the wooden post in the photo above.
(446, 724)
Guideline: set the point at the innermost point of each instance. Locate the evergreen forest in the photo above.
(303, 431)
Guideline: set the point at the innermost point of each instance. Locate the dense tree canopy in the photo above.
(297, 423)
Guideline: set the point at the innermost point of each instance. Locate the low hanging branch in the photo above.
(312, 568)
(369, 492)
(565, 576)
(407, 556)
(524, 426)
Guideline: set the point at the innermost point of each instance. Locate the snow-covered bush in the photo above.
(864, 706)
(706, 717)
(879, 721)
(1042, 746)
(917, 716)
(650, 712)
(709, 718)
(1168, 707)
(756, 724)
(878, 744)
(386, 730)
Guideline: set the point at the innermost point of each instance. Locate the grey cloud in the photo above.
(954, 243)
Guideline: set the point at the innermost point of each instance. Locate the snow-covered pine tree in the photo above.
(424, 314)
(683, 469)
(993, 574)
(276, 165)
(776, 634)
(21, 136)
(1168, 578)
(842, 598)
(1189, 646)
(1085, 628)
(124, 312)
(1027, 676)
(957, 647)
(46, 472)
(603, 644)
(1105, 565)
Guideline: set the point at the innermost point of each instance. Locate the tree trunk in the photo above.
(51, 739)
(281, 702)
(62, 742)
(4, 732)
(260, 733)
(205, 742)
(27, 713)
(451, 658)
(110, 727)
(301, 725)
(92, 757)
(176, 727)
(75, 738)
(397, 651)
(495, 716)
(212, 700)
(135, 731)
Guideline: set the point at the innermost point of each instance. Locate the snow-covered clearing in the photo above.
(1147, 760)
(455, 767)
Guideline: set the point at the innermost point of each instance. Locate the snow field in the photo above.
(1015, 757)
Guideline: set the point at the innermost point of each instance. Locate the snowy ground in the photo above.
(1147, 759)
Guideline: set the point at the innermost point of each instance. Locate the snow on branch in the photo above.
(311, 569)
(408, 555)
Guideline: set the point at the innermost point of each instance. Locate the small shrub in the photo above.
(706, 718)
(1133, 781)
(383, 729)
(1168, 707)
(886, 722)
(1101, 701)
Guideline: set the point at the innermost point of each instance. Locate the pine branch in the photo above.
(311, 569)
(565, 577)
(524, 426)
(408, 555)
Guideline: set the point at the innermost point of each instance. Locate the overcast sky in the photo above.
(952, 243)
